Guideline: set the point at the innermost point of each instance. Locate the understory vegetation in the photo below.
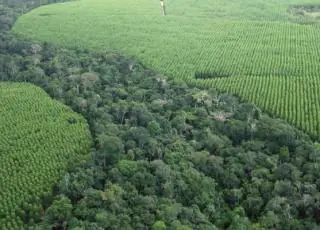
(165, 155)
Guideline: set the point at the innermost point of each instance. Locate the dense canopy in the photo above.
(165, 154)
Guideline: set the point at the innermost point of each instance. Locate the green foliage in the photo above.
(37, 144)
(183, 227)
(159, 225)
(269, 58)
(181, 165)
(128, 168)
(59, 211)
(164, 153)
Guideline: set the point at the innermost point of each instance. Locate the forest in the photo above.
(260, 50)
(165, 154)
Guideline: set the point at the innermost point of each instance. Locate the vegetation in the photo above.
(170, 155)
(260, 42)
(174, 157)
(165, 155)
(308, 11)
(37, 143)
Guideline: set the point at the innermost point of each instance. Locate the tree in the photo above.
(270, 221)
(128, 168)
(283, 188)
(154, 128)
(238, 222)
(110, 149)
(253, 206)
(59, 212)
(120, 110)
(159, 225)
(103, 218)
(75, 183)
(287, 171)
(169, 213)
(233, 196)
(284, 155)
(35, 49)
(203, 98)
(139, 134)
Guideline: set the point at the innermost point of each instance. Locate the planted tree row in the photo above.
(37, 142)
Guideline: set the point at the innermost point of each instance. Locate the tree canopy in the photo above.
(166, 155)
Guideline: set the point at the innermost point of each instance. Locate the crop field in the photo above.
(265, 51)
(36, 142)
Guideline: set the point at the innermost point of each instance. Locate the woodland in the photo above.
(165, 154)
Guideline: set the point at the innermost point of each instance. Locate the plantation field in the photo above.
(257, 49)
(36, 144)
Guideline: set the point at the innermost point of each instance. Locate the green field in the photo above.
(257, 49)
(36, 144)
